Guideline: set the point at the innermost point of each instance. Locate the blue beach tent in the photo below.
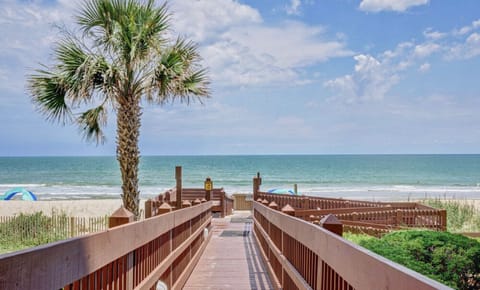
(281, 191)
(26, 195)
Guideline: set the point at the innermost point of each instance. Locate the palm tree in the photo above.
(120, 56)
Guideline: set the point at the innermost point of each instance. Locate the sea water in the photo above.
(371, 177)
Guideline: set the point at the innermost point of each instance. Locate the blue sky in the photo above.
(288, 77)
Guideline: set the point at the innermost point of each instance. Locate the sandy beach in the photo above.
(93, 207)
(80, 208)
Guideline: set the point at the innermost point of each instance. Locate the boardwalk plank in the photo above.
(230, 262)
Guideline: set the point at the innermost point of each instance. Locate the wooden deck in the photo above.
(231, 259)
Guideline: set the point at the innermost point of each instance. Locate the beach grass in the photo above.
(33, 229)
(462, 215)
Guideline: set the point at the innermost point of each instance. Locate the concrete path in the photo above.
(231, 259)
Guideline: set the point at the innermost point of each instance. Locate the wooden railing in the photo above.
(131, 256)
(221, 202)
(301, 255)
(314, 202)
(391, 214)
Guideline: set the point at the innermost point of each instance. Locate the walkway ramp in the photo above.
(231, 259)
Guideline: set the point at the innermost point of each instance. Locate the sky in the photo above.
(287, 77)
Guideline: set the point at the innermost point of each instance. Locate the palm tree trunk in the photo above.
(128, 154)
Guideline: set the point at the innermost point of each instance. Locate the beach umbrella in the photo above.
(282, 191)
(26, 195)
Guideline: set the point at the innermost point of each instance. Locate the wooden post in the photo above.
(287, 209)
(148, 208)
(178, 179)
(399, 217)
(257, 181)
(186, 203)
(443, 219)
(164, 208)
(119, 217)
(332, 224)
(72, 226)
(273, 205)
(208, 186)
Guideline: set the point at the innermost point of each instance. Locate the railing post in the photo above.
(208, 186)
(443, 219)
(196, 201)
(178, 179)
(257, 181)
(164, 208)
(120, 217)
(332, 224)
(287, 209)
(186, 203)
(148, 208)
(399, 217)
(306, 202)
(273, 205)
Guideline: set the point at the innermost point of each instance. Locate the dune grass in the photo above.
(30, 230)
(462, 215)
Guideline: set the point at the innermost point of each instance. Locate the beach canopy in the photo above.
(282, 191)
(26, 195)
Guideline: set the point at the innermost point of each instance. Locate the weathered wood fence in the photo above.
(131, 256)
(302, 255)
(23, 228)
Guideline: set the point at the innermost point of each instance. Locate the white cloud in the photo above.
(294, 7)
(242, 50)
(429, 33)
(468, 49)
(390, 5)
(260, 54)
(27, 35)
(425, 49)
(372, 79)
(424, 67)
(467, 29)
(204, 19)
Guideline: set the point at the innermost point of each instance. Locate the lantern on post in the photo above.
(208, 186)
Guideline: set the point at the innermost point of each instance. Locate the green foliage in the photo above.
(30, 230)
(462, 216)
(449, 258)
(356, 238)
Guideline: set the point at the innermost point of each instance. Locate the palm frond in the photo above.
(91, 123)
(48, 93)
(178, 75)
(195, 84)
(83, 71)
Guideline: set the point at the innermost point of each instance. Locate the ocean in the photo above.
(370, 177)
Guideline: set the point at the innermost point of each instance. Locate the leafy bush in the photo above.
(451, 259)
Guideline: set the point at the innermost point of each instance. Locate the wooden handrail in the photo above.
(323, 260)
(121, 256)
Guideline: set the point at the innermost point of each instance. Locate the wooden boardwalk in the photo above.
(231, 259)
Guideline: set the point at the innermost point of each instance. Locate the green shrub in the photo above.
(451, 259)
